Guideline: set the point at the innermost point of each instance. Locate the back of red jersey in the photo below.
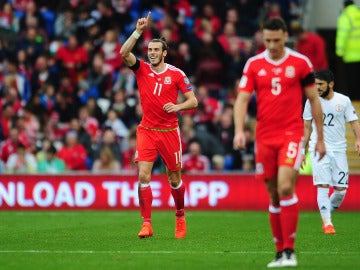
(157, 89)
(279, 92)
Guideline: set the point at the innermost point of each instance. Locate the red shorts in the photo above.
(151, 142)
(285, 151)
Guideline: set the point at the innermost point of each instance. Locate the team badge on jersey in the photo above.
(338, 108)
(290, 72)
(167, 80)
(186, 80)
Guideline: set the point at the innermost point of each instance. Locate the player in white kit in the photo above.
(332, 170)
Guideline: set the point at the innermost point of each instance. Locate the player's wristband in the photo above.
(135, 35)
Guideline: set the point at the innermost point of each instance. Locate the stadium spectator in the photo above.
(210, 64)
(84, 139)
(50, 163)
(65, 25)
(116, 124)
(108, 139)
(207, 21)
(128, 154)
(8, 20)
(7, 119)
(312, 45)
(10, 144)
(73, 153)
(73, 59)
(21, 161)
(110, 50)
(21, 82)
(106, 163)
(42, 75)
(194, 161)
(33, 44)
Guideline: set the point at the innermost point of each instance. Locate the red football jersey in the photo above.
(157, 89)
(279, 92)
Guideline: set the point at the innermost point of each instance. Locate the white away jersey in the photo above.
(336, 112)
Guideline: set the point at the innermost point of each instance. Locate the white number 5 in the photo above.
(275, 86)
(292, 150)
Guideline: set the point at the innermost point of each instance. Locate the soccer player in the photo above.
(333, 169)
(158, 132)
(279, 77)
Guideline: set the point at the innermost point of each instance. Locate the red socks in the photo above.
(145, 201)
(289, 219)
(275, 224)
(178, 194)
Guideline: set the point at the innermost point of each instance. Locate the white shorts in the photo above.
(332, 169)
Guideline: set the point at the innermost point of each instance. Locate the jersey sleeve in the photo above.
(307, 115)
(350, 113)
(184, 84)
(247, 83)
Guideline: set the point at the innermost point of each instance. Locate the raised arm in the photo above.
(125, 51)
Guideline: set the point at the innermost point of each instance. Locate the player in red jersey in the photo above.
(279, 77)
(158, 132)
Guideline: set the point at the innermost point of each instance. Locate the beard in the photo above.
(325, 94)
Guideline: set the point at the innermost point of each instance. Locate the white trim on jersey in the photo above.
(336, 112)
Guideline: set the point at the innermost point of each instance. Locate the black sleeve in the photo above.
(308, 80)
(136, 65)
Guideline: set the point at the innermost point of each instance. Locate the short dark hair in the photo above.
(162, 41)
(51, 149)
(325, 75)
(276, 23)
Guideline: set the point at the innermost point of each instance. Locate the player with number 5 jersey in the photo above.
(279, 76)
(158, 132)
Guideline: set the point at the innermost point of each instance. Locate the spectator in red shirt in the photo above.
(73, 153)
(110, 50)
(228, 37)
(313, 46)
(73, 59)
(194, 161)
(9, 146)
(208, 21)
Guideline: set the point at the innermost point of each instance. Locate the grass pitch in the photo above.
(215, 240)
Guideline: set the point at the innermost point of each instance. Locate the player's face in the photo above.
(274, 41)
(322, 88)
(156, 54)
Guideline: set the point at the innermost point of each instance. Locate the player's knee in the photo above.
(340, 188)
(144, 178)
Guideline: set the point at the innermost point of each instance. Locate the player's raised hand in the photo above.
(143, 23)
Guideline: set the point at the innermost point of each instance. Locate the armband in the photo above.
(135, 35)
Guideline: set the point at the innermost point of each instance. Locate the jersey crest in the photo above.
(290, 72)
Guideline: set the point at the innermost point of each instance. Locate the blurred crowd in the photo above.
(68, 103)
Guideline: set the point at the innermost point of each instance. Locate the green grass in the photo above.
(215, 240)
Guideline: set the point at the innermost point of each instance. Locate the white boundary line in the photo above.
(43, 251)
